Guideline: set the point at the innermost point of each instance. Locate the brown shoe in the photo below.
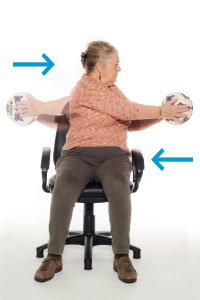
(125, 269)
(49, 266)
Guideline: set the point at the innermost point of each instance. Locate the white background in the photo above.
(158, 44)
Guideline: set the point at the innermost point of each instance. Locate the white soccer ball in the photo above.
(181, 99)
(11, 109)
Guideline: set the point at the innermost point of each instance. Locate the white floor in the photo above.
(167, 270)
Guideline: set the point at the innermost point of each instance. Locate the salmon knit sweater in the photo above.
(99, 116)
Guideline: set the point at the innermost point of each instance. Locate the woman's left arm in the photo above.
(142, 124)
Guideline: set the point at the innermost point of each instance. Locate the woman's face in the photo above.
(110, 69)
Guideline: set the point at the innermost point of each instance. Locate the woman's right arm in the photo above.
(59, 121)
(48, 120)
(51, 113)
(56, 121)
(31, 106)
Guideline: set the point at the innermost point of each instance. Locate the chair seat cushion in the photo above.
(93, 191)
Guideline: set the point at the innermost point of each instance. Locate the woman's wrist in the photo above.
(43, 108)
(37, 107)
(160, 116)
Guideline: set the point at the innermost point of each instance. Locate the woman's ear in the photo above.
(99, 66)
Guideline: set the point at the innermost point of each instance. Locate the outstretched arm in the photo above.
(56, 121)
(30, 106)
(48, 120)
(48, 113)
(113, 103)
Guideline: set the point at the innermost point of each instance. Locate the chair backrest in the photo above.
(59, 142)
(62, 129)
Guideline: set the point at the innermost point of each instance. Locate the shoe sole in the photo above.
(124, 280)
(49, 278)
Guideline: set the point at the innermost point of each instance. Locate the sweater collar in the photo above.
(88, 78)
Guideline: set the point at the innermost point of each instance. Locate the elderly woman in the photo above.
(96, 149)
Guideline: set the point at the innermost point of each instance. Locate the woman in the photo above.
(96, 149)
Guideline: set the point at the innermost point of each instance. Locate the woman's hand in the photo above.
(30, 106)
(170, 110)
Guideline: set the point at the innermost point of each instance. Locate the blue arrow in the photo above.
(47, 63)
(157, 159)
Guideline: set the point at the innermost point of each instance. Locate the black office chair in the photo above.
(93, 193)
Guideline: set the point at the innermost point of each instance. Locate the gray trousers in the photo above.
(111, 167)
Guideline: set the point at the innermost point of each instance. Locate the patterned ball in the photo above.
(181, 99)
(11, 109)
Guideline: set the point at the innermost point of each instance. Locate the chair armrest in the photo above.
(45, 167)
(138, 167)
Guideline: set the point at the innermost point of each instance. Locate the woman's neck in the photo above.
(94, 76)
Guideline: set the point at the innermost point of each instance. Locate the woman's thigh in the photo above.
(117, 168)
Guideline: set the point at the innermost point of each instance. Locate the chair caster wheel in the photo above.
(136, 255)
(88, 265)
(40, 253)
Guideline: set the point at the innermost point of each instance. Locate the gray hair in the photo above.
(96, 51)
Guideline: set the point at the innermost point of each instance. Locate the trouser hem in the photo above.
(55, 252)
(121, 251)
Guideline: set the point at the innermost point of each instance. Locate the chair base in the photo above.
(88, 241)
